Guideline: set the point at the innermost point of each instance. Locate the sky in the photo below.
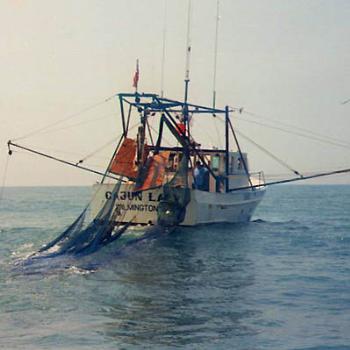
(285, 62)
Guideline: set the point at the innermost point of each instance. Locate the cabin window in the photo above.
(232, 165)
(215, 163)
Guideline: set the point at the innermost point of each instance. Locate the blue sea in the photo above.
(280, 282)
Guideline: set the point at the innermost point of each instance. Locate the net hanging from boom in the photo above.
(82, 238)
(176, 197)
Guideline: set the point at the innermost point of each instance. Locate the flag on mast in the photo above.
(136, 75)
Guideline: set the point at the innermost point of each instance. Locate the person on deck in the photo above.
(181, 125)
(198, 175)
(206, 179)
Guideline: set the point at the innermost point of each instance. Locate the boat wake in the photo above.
(270, 222)
(286, 226)
(29, 263)
(260, 221)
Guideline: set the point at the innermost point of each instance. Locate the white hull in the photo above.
(204, 207)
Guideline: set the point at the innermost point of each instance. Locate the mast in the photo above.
(215, 63)
(135, 83)
(215, 52)
(227, 148)
(163, 51)
(187, 69)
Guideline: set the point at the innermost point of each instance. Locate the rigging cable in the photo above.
(264, 150)
(71, 116)
(103, 146)
(300, 176)
(294, 127)
(76, 124)
(10, 143)
(296, 133)
(97, 150)
(149, 132)
(315, 136)
(164, 139)
(283, 163)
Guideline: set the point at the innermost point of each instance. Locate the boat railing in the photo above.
(258, 178)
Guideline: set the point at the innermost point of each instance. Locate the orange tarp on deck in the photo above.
(124, 161)
(156, 171)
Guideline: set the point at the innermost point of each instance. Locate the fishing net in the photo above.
(82, 238)
(176, 196)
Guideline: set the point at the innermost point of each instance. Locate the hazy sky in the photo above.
(285, 60)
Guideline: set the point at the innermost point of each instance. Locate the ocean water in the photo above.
(280, 282)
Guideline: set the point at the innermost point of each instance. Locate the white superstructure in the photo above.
(205, 207)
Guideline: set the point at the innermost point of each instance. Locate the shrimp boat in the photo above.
(181, 184)
(152, 180)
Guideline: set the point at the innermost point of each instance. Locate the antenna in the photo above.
(135, 82)
(187, 70)
(188, 50)
(163, 53)
(215, 63)
(216, 51)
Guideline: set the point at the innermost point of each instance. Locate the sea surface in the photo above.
(280, 282)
